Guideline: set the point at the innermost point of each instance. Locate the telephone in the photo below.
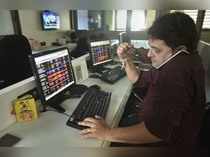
(178, 50)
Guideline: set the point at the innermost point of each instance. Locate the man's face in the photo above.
(159, 51)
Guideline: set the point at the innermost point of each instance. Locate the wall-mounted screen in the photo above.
(50, 20)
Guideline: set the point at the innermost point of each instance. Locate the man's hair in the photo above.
(176, 29)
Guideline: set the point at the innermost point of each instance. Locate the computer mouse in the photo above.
(97, 87)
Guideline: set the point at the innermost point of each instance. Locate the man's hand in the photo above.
(97, 128)
(124, 51)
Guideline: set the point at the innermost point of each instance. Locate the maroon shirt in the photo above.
(175, 99)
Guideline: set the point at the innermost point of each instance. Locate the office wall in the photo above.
(6, 26)
(31, 25)
(151, 15)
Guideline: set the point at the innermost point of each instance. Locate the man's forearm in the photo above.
(133, 134)
(131, 70)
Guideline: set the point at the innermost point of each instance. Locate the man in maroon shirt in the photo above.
(175, 94)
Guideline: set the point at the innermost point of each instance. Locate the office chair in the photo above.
(14, 62)
(82, 47)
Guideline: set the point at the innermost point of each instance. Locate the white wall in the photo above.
(6, 26)
(31, 25)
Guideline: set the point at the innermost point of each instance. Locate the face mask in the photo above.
(178, 50)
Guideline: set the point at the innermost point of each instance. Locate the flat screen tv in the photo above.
(50, 20)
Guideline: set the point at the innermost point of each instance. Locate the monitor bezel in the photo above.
(103, 62)
(37, 80)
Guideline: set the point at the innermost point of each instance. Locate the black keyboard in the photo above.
(94, 102)
(113, 75)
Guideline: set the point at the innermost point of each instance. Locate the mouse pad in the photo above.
(8, 140)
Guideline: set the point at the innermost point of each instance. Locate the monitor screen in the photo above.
(53, 72)
(100, 52)
(50, 20)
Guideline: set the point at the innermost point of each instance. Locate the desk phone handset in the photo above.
(179, 49)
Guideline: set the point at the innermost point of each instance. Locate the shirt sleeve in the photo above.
(144, 79)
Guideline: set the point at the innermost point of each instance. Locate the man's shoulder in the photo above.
(183, 62)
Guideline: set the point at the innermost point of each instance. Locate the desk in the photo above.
(51, 129)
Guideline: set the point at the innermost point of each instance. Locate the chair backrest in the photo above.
(204, 52)
(14, 62)
(82, 47)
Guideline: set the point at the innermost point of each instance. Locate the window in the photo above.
(6, 26)
(138, 20)
(82, 20)
(192, 13)
(206, 21)
(121, 17)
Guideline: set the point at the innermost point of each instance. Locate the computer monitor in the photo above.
(50, 20)
(100, 53)
(54, 74)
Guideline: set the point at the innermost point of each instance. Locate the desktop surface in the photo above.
(51, 129)
(111, 152)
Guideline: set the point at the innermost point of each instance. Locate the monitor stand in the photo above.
(56, 104)
(58, 108)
